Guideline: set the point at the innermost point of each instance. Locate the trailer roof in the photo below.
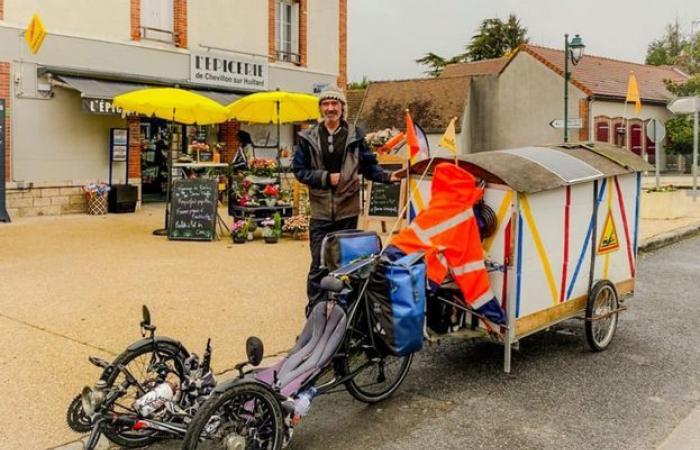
(541, 168)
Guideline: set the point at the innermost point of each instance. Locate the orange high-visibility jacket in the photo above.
(449, 234)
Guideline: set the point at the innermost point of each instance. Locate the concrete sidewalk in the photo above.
(73, 286)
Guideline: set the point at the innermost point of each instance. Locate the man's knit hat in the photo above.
(332, 92)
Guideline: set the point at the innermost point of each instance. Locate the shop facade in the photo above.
(59, 102)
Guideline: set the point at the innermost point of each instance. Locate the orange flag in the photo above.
(411, 138)
(633, 93)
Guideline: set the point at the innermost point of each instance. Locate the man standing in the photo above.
(329, 159)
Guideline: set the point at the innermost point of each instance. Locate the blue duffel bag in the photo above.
(396, 293)
(343, 247)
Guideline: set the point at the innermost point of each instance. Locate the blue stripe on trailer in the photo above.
(519, 266)
(588, 237)
(636, 215)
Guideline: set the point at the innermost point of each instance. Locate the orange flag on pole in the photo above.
(411, 138)
(633, 93)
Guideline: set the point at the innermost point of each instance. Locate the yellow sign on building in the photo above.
(609, 241)
(35, 34)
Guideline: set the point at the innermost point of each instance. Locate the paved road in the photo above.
(559, 396)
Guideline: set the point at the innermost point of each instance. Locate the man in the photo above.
(329, 159)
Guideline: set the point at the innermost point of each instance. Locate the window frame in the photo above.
(147, 27)
(287, 31)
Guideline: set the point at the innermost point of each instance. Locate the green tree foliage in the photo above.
(436, 62)
(675, 49)
(680, 128)
(364, 84)
(496, 38)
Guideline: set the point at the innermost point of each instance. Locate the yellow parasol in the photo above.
(173, 104)
(274, 107)
(177, 105)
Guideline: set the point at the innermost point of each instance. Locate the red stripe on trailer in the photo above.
(630, 258)
(506, 263)
(565, 265)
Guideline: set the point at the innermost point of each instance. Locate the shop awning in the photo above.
(106, 90)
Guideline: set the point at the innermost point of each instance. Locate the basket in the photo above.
(97, 204)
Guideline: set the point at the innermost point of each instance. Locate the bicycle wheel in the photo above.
(383, 373)
(141, 363)
(601, 322)
(244, 416)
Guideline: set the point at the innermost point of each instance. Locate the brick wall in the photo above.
(5, 93)
(180, 25)
(45, 201)
(303, 31)
(228, 134)
(134, 170)
(583, 114)
(343, 45)
(135, 20)
(2, 10)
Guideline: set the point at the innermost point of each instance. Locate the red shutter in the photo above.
(636, 138)
(602, 131)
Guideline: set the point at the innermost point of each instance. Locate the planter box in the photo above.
(666, 205)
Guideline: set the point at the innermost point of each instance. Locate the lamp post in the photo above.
(573, 50)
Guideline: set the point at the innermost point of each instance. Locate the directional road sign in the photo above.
(573, 123)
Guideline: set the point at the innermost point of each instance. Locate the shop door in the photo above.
(636, 138)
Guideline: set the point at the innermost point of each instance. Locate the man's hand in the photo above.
(397, 176)
(335, 179)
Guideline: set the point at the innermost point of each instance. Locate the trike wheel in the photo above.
(246, 416)
(141, 363)
(601, 320)
(383, 373)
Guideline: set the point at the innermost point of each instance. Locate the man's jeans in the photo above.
(318, 229)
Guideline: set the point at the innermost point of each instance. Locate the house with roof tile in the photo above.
(515, 106)
(510, 101)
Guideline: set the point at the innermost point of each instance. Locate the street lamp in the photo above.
(573, 50)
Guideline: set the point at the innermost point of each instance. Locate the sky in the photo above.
(385, 37)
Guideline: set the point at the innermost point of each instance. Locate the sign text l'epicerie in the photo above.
(240, 72)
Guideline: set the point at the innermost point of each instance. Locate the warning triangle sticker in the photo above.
(609, 241)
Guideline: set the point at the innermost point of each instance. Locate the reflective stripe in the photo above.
(427, 234)
(468, 267)
(483, 299)
(442, 259)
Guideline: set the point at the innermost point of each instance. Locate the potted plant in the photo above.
(271, 192)
(239, 231)
(268, 231)
(262, 167)
(297, 225)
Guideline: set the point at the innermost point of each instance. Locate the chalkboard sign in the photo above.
(386, 200)
(193, 210)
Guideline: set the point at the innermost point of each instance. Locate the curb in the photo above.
(668, 238)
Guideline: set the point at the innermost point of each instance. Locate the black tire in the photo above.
(234, 405)
(601, 300)
(138, 362)
(382, 376)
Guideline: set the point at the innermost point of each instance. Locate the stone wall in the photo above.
(44, 200)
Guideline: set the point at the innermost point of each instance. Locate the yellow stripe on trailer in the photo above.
(546, 266)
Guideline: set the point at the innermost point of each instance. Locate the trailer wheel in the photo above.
(601, 321)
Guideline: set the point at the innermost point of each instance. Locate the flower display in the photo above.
(263, 167)
(271, 191)
(296, 223)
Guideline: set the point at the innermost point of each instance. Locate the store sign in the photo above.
(119, 140)
(100, 106)
(240, 72)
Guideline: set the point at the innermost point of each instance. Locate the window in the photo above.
(287, 31)
(157, 20)
(635, 141)
(619, 132)
(602, 129)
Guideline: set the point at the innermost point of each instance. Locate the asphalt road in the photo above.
(559, 394)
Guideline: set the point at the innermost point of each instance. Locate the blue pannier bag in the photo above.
(396, 293)
(343, 247)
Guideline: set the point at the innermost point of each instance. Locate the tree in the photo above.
(387, 114)
(436, 63)
(675, 49)
(359, 84)
(496, 38)
(680, 128)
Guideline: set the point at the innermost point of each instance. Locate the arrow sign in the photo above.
(572, 123)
